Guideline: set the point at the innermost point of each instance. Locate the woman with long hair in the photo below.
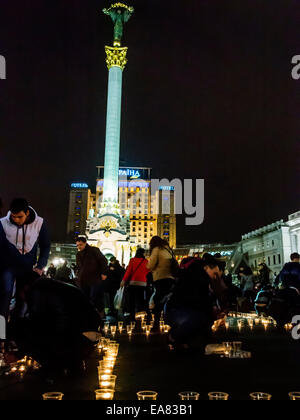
(160, 265)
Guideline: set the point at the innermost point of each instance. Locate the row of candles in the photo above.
(108, 349)
(107, 380)
(189, 395)
(241, 320)
(112, 329)
(251, 319)
(22, 366)
(103, 394)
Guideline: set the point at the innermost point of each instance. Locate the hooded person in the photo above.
(22, 234)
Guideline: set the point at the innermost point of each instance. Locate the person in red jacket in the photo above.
(135, 279)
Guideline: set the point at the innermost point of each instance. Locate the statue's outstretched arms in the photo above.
(112, 13)
(127, 14)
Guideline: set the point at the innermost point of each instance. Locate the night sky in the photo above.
(207, 93)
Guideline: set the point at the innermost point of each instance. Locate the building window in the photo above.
(269, 261)
(279, 259)
(274, 259)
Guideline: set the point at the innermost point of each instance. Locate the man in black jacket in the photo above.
(91, 271)
(115, 276)
(290, 274)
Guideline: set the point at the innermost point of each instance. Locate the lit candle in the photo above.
(104, 394)
(107, 381)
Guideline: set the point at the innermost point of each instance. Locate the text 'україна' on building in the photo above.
(145, 211)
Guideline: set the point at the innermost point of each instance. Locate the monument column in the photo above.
(108, 230)
(116, 61)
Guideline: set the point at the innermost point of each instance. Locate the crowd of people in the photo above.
(54, 307)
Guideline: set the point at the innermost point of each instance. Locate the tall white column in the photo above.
(112, 140)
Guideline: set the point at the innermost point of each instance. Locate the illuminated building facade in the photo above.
(80, 201)
(136, 202)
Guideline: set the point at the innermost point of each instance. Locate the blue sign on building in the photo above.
(130, 173)
(79, 185)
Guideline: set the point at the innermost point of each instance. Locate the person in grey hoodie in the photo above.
(22, 232)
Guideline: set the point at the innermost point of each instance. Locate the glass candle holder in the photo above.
(113, 350)
(58, 396)
(236, 346)
(109, 359)
(148, 329)
(144, 324)
(113, 329)
(106, 327)
(132, 324)
(250, 323)
(104, 371)
(227, 347)
(104, 394)
(260, 396)
(107, 381)
(146, 395)
(218, 396)
(188, 395)
(105, 368)
(294, 396)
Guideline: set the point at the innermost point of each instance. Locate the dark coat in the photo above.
(58, 314)
(115, 276)
(91, 263)
(195, 289)
(290, 275)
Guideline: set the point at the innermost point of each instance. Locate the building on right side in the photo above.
(272, 244)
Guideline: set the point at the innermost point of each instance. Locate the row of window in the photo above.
(262, 246)
(271, 260)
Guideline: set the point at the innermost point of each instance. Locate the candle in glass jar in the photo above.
(107, 381)
(104, 394)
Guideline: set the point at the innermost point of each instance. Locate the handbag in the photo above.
(119, 298)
